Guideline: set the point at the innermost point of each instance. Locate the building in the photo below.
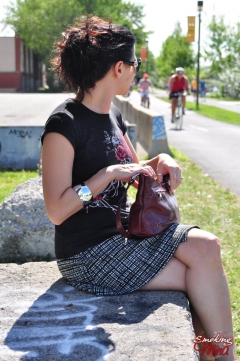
(20, 69)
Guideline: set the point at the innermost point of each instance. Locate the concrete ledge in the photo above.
(42, 318)
(151, 132)
(20, 146)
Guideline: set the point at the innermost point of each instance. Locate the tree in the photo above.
(230, 78)
(40, 22)
(218, 41)
(175, 52)
(223, 46)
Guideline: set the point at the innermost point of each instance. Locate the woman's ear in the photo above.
(118, 69)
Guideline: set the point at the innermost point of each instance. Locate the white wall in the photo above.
(7, 57)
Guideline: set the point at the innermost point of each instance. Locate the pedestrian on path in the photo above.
(87, 158)
(194, 88)
(202, 84)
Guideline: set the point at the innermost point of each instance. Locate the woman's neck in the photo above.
(100, 98)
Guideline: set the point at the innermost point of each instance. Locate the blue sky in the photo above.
(162, 15)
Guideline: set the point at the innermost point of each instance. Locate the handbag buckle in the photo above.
(159, 193)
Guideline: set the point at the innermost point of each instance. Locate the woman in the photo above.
(87, 158)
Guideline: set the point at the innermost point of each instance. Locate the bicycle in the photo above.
(178, 117)
(145, 101)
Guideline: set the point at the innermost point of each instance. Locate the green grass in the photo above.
(212, 112)
(9, 180)
(204, 203)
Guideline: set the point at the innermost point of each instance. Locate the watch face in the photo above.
(84, 194)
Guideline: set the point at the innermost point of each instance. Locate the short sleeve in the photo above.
(121, 123)
(123, 126)
(62, 124)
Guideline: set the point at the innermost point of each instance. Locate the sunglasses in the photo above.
(136, 64)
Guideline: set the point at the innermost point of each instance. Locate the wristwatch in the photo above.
(84, 194)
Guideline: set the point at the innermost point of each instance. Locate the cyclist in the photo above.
(178, 83)
(143, 86)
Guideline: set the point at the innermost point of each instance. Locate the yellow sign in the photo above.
(191, 29)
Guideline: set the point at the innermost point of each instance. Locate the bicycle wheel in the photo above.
(179, 117)
(145, 101)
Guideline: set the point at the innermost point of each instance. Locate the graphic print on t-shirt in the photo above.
(115, 144)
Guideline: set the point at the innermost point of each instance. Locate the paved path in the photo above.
(21, 109)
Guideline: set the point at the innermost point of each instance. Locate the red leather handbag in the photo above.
(154, 210)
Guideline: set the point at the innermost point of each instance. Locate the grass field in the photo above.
(202, 202)
(212, 112)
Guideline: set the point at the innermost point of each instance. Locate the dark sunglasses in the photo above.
(136, 64)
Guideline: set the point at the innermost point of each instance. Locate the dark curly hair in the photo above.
(87, 51)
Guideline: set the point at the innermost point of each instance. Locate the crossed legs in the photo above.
(197, 269)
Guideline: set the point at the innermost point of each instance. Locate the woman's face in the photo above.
(129, 73)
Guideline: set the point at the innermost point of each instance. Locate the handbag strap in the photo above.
(119, 225)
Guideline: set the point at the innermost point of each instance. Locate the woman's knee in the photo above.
(201, 247)
(208, 247)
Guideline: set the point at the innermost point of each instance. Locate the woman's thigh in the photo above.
(172, 277)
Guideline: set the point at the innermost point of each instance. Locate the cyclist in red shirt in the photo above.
(178, 83)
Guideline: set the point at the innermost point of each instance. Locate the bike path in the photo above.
(212, 145)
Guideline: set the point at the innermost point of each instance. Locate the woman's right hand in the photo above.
(124, 172)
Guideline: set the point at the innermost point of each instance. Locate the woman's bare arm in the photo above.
(61, 200)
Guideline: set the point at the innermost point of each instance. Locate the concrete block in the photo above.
(132, 133)
(151, 132)
(43, 318)
(20, 146)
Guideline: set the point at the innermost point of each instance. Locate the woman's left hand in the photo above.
(167, 164)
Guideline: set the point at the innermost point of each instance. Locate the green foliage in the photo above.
(175, 52)
(223, 45)
(230, 79)
(40, 22)
(9, 180)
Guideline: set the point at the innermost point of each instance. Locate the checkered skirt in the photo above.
(117, 266)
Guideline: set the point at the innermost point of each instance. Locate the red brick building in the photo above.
(20, 69)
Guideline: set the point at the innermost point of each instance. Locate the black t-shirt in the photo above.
(98, 142)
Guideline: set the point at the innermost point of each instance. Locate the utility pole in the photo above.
(200, 8)
(146, 56)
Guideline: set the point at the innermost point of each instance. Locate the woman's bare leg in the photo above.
(174, 105)
(198, 329)
(205, 282)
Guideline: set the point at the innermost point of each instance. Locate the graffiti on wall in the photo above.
(21, 133)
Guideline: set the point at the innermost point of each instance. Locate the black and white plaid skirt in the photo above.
(117, 266)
